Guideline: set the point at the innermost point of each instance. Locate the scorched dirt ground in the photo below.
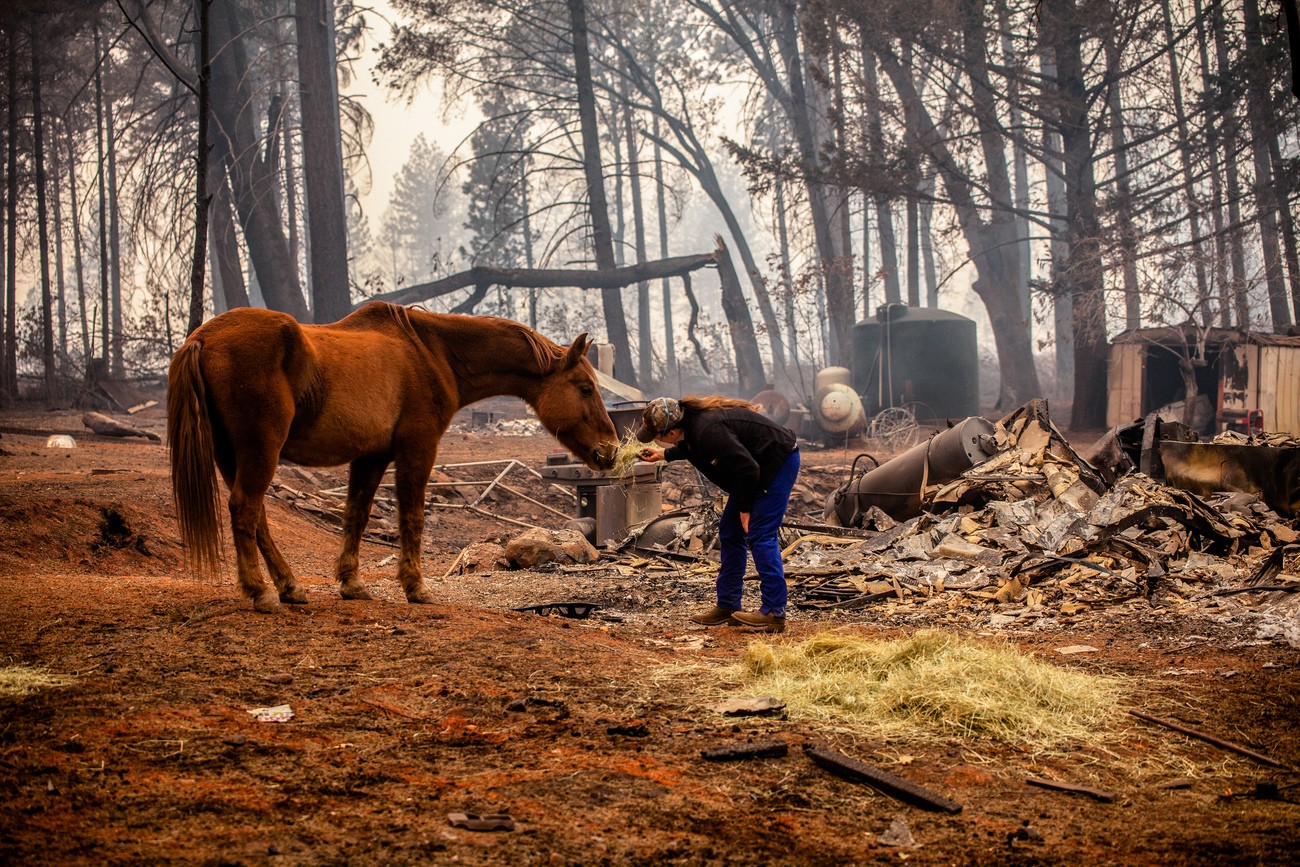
(587, 732)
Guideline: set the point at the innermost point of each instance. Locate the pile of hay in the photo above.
(628, 453)
(933, 682)
(20, 680)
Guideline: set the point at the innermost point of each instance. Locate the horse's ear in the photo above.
(577, 351)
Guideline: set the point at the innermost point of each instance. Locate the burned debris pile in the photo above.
(1034, 525)
(478, 487)
(989, 521)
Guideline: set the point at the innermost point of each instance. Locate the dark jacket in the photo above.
(736, 448)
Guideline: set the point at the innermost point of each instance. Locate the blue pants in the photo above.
(762, 541)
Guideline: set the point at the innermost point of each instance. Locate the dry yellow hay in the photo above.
(20, 680)
(933, 682)
(628, 453)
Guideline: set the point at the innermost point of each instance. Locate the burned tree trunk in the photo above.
(749, 364)
(9, 386)
(201, 197)
(602, 236)
(42, 230)
(251, 178)
(326, 214)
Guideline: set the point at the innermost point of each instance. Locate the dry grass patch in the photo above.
(19, 680)
(934, 682)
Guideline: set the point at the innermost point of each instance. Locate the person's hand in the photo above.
(650, 454)
(744, 521)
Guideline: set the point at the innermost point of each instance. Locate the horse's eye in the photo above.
(586, 390)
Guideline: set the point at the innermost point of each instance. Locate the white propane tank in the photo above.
(838, 408)
(831, 376)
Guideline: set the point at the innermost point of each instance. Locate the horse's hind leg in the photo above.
(363, 480)
(245, 514)
(281, 573)
(285, 583)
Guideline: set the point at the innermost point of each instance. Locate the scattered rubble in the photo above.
(540, 547)
(480, 557)
(1023, 531)
(760, 750)
(482, 822)
(1037, 531)
(880, 779)
(1072, 788)
(1211, 739)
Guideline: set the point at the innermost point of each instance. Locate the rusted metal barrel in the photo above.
(895, 486)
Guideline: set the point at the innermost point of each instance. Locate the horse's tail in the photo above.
(193, 458)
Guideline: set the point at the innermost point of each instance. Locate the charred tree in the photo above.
(602, 236)
(644, 351)
(77, 263)
(1082, 277)
(114, 240)
(322, 150)
(1266, 200)
(42, 229)
(103, 207)
(10, 383)
(228, 270)
(661, 213)
(252, 178)
(202, 201)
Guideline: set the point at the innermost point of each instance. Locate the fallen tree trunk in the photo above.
(109, 427)
(749, 365)
(547, 278)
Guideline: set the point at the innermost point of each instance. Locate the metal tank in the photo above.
(895, 486)
(917, 357)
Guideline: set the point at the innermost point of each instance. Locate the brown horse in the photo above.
(253, 386)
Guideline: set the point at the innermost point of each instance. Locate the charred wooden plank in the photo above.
(1073, 788)
(878, 778)
(760, 750)
(1211, 739)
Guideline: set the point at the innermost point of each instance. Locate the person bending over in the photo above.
(756, 461)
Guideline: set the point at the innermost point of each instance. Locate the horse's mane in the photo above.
(545, 352)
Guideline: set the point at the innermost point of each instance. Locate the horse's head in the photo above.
(568, 402)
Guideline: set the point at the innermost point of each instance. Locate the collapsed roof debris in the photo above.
(1261, 463)
(1007, 517)
(1038, 526)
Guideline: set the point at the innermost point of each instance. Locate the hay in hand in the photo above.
(20, 680)
(628, 453)
(933, 682)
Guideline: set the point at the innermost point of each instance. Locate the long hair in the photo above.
(700, 404)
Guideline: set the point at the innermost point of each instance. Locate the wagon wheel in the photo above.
(895, 428)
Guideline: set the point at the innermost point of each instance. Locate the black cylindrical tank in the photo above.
(919, 357)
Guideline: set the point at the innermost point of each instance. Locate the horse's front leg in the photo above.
(411, 475)
(363, 480)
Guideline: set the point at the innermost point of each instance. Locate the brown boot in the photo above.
(715, 616)
(759, 622)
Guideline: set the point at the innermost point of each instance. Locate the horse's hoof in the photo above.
(267, 604)
(355, 590)
(421, 596)
(294, 596)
